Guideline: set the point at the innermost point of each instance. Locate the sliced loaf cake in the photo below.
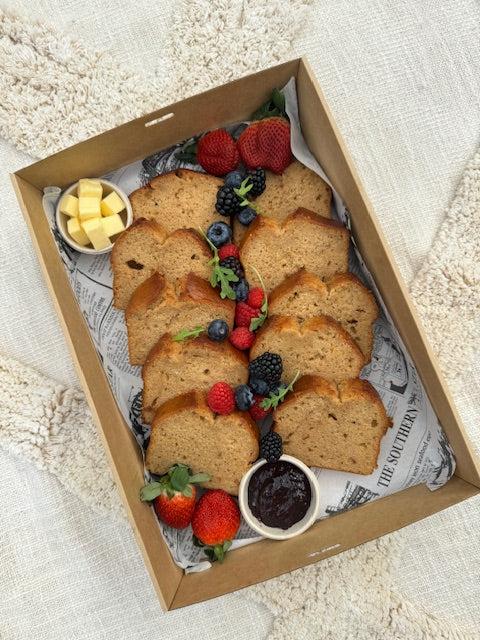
(159, 307)
(185, 430)
(334, 427)
(317, 346)
(181, 199)
(173, 368)
(344, 298)
(303, 240)
(296, 187)
(146, 247)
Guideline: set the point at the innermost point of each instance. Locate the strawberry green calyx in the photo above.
(275, 106)
(257, 322)
(216, 552)
(177, 480)
(274, 399)
(185, 334)
(222, 276)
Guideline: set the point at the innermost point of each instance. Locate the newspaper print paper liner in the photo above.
(414, 451)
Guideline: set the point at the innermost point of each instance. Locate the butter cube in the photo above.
(97, 236)
(113, 225)
(112, 204)
(69, 206)
(88, 188)
(88, 208)
(76, 232)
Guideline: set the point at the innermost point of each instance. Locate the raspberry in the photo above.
(221, 398)
(242, 338)
(228, 251)
(256, 411)
(243, 314)
(255, 297)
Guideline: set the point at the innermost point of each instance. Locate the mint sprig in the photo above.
(256, 323)
(184, 334)
(274, 399)
(220, 275)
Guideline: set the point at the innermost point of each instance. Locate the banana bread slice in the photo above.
(334, 427)
(344, 298)
(185, 430)
(296, 187)
(303, 240)
(159, 307)
(146, 247)
(180, 199)
(173, 368)
(317, 346)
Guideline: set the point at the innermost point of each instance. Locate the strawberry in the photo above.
(242, 338)
(255, 297)
(221, 398)
(174, 495)
(217, 152)
(215, 523)
(244, 314)
(266, 143)
(228, 251)
(256, 411)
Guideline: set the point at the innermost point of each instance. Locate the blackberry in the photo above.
(217, 330)
(243, 397)
(267, 367)
(276, 387)
(235, 265)
(246, 216)
(241, 289)
(271, 446)
(260, 387)
(219, 233)
(257, 178)
(227, 203)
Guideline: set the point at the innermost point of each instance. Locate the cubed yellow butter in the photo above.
(76, 232)
(96, 234)
(113, 225)
(88, 208)
(69, 206)
(88, 188)
(112, 204)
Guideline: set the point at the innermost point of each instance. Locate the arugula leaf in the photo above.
(220, 275)
(184, 334)
(256, 323)
(274, 399)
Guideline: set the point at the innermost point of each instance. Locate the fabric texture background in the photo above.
(406, 71)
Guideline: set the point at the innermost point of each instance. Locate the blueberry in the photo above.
(241, 289)
(234, 179)
(217, 330)
(219, 233)
(244, 397)
(246, 215)
(258, 386)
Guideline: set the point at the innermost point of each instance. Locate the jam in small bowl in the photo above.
(279, 500)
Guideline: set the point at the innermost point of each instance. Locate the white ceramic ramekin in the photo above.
(61, 218)
(273, 532)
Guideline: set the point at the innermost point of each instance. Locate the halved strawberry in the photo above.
(266, 143)
(174, 495)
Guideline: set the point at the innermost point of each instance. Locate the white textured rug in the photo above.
(50, 425)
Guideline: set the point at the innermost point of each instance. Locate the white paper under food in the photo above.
(414, 451)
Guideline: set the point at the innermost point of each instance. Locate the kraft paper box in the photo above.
(137, 139)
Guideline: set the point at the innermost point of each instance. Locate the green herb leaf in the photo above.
(275, 106)
(256, 323)
(274, 399)
(220, 275)
(188, 153)
(184, 334)
(278, 100)
(151, 491)
(242, 191)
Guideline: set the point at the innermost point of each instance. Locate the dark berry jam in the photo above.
(279, 494)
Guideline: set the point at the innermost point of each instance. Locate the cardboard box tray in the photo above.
(227, 104)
